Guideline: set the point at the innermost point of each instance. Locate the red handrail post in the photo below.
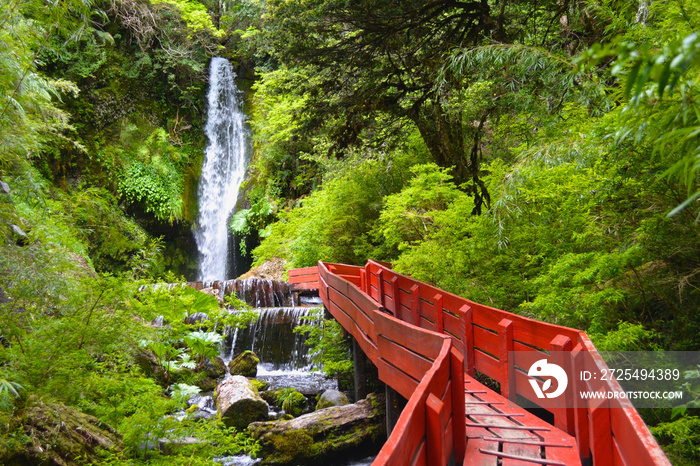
(415, 304)
(601, 433)
(380, 287)
(395, 291)
(469, 339)
(580, 409)
(434, 431)
(561, 347)
(505, 343)
(459, 429)
(439, 317)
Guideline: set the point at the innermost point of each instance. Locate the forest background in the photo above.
(537, 156)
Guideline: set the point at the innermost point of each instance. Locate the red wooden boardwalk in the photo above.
(427, 345)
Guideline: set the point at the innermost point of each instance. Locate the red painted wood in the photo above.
(459, 430)
(435, 431)
(485, 341)
(601, 434)
(474, 341)
(304, 278)
(409, 362)
(303, 271)
(415, 304)
(428, 344)
(618, 460)
(561, 347)
(380, 288)
(304, 286)
(505, 348)
(469, 339)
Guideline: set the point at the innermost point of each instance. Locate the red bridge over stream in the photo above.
(428, 345)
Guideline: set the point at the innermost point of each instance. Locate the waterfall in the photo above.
(223, 169)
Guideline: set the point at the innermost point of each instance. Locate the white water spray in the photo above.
(223, 169)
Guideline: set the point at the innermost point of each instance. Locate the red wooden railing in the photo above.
(425, 342)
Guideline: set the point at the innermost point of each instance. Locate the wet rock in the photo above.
(245, 364)
(207, 384)
(4, 188)
(331, 398)
(19, 236)
(62, 435)
(324, 436)
(149, 364)
(214, 368)
(238, 402)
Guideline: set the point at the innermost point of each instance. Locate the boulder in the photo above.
(214, 368)
(61, 435)
(239, 403)
(245, 364)
(4, 188)
(322, 437)
(19, 236)
(331, 398)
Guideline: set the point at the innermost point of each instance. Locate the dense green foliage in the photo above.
(538, 156)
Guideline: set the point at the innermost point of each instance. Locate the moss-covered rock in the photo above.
(331, 398)
(214, 368)
(245, 364)
(342, 432)
(61, 435)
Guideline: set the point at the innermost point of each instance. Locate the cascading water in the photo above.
(223, 170)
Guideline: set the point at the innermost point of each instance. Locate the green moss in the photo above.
(291, 446)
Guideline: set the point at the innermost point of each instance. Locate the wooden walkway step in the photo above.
(501, 433)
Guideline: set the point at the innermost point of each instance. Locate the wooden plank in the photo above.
(435, 431)
(459, 430)
(355, 313)
(408, 361)
(439, 318)
(561, 347)
(380, 288)
(469, 340)
(304, 286)
(526, 356)
(310, 277)
(303, 271)
(486, 364)
(415, 304)
(485, 340)
(618, 459)
(505, 348)
(407, 439)
(425, 343)
(366, 342)
(361, 300)
(403, 383)
(626, 427)
(474, 457)
(394, 287)
(530, 331)
(601, 434)
(580, 406)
